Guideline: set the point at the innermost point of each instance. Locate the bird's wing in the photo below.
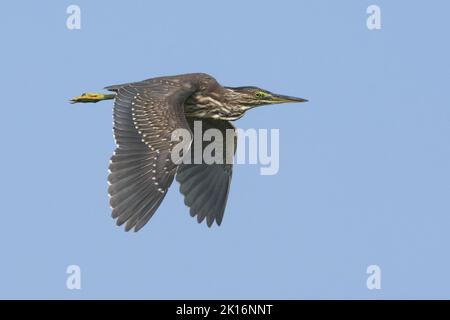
(205, 186)
(141, 169)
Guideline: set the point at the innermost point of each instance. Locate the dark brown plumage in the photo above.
(145, 115)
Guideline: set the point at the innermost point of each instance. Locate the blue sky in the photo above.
(364, 166)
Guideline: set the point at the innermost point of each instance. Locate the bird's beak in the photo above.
(278, 98)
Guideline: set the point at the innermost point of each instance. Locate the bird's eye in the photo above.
(260, 94)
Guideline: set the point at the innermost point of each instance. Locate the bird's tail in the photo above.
(92, 97)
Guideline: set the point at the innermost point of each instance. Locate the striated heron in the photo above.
(145, 115)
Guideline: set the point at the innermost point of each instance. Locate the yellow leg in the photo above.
(92, 97)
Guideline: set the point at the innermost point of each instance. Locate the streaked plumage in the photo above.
(145, 115)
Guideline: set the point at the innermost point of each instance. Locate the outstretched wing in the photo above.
(205, 186)
(141, 169)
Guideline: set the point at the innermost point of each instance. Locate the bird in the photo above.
(145, 114)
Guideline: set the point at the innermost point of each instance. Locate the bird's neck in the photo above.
(215, 106)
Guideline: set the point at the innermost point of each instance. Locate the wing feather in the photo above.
(206, 186)
(140, 172)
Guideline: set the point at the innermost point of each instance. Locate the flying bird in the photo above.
(145, 114)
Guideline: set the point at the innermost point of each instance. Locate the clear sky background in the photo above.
(364, 166)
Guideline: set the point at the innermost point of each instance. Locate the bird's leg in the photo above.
(92, 97)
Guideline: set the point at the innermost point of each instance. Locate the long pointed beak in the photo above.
(278, 98)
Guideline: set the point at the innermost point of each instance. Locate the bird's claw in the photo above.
(88, 97)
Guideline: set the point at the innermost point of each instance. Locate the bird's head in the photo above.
(254, 96)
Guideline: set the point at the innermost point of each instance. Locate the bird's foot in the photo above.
(89, 97)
